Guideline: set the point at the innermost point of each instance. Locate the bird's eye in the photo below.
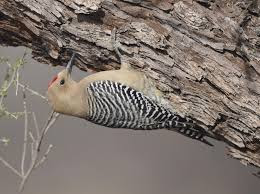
(62, 82)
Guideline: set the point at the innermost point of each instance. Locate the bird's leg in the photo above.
(116, 46)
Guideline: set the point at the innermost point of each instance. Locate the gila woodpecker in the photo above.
(116, 99)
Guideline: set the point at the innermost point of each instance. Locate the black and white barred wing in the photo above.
(115, 105)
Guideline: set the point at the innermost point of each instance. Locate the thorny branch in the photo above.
(36, 137)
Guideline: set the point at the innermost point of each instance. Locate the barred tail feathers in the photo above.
(190, 129)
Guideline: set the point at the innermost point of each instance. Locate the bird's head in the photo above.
(60, 89)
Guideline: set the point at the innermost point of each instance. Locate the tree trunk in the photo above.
(203, 54)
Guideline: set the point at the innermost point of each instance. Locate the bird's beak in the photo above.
(70, 63)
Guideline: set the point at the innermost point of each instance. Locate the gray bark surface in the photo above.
(204, 55)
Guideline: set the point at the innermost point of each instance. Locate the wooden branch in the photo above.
(203, 55)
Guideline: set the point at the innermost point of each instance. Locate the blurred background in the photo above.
(88, 159)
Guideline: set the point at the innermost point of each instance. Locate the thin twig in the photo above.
(17, 81)
(44, 130)
(21, 62)
(36, 125)
(32, 91)
(10, 114)
(44, 156)
(10, 167)
(31, 136)
(55, 117)
(25, 132)
(33, 150)
(52, 118)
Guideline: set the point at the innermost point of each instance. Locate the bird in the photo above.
(117, 99)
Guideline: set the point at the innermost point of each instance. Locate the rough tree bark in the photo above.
(203, 54)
